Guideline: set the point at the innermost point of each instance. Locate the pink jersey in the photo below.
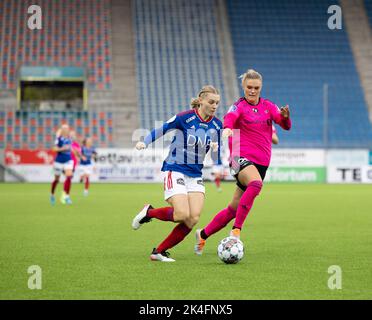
(75, 146)
(255, 124)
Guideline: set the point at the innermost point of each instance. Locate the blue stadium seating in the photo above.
(290, 44)
(368, 6)
(177, 53)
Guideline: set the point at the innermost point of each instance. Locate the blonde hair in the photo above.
(250, 74)
(195, 102)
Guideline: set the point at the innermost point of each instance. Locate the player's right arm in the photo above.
(155, 134)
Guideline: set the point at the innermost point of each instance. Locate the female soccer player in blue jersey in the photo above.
(196, 132)
(63, 163)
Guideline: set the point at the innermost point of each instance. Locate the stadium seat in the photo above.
(297, 56)
(98, 25)
(172, 67)
(38, 128)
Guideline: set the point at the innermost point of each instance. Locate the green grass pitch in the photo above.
(89, 251)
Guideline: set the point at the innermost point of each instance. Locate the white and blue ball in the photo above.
(230, 250)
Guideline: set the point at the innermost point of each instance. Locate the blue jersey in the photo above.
(190, 143)
(63, 156)
(88, 154)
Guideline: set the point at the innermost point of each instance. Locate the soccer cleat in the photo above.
(141, 217)
(86, 193)
(52, 200)
(162, 256)
(235, 233)
(68, 200)
(200, 243)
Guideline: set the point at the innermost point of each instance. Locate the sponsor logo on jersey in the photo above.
(255, 110)
(197, 140)
(190, 119)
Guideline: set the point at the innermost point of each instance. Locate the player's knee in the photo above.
(192, 221)
(181, 214)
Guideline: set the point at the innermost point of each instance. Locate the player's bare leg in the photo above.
(181, 206)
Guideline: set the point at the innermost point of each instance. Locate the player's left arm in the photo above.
(281, 116)
(171, 124)
(275, 138)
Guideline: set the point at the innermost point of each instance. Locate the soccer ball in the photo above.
(230, 250)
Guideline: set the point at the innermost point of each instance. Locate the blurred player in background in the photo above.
(197, 131)
(75, 150)
(75, 156)
(88, 153)
(250, 153)
(218, 172)
(63, 163)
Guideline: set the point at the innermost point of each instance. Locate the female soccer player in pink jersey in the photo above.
(248, 124)
(75, 150)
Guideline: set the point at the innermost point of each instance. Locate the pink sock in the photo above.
(176, 236)
(67, 185)
(54, 186)
(246, 202)
(164, 214)
(220, 221)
